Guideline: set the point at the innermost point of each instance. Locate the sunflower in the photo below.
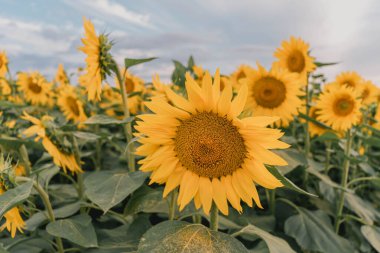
(3, 64)
(274, 93)
(71, 106)
(5, 87)
(293, 55)
(13, 220)
(111, 102)
(98, 60)
(35, 88)
(62, 157)
(200, 145)
(369, 93)
(350, 79)
(240, 76)
(199, 73)
(61, 76)
(339, 108)
(315, 129)
(134, 88)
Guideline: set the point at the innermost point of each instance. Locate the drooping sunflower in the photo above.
(339, 108)
(34, 87)
(98, 60)
(134, 85)
(200, 145)
(274, 93)
(369, 92)
(293, 55)
(350, 79)
(3, 64)
(62, 157)
(13, 220)
(240, 76)
(71, 106)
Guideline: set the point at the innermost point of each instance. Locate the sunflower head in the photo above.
(99, 60)
(350, 79)
(293, 55)
(3, 64)
(369, 92)
(274, 93)
(201, 145)
(71, 105)
(61, 76)
(339, 108)
(240, 76)
(35, 88)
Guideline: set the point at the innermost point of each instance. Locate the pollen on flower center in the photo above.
(72, 103)
(296, 61)
(344, 106)
(34, 86)
(209, 145)
(269, 92)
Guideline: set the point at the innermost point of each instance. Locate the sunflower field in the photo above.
(261, 160)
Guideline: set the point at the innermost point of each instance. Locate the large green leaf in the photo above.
(109, 188)
(274, 243)
(147, 200)
(15, 196)
(179, 236)
(313, 231)
(129, 62)
(100, 119)
(77, 229)
(293, 157)
(2, 249)
(372, 234)
(287, 183)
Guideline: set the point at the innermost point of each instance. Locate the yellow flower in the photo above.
(350, 79)
(19, 170)
(35, 88)
(240, 76)
(200, 145)
(369, 93)
(61, 158)
(13, 220)
(5, 87)
(315, 129)
(274, 93)
(339, 108)
(3, 64)
(10, 123)
(70, 105)
(199, 72)
(61, 76)
(293, 55)
(98, 60)
(133, 84)
(111, 102)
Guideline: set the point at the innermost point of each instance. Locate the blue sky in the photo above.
(218, 33)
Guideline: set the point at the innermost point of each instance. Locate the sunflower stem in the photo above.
(272, 198)
(25, 159)
(328, 156)
(346, 169)
(79, 175)
(172, 204)
(307, 134)
(98, 150)
(128, 126)
(214, 217)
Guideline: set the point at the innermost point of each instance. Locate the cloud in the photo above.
(109, 9)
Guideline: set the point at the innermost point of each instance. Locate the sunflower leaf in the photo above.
(15, 196)
(100, 119)
(372, 234)
(129, 62)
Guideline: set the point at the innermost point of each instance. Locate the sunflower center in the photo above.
(344, 106)
(269, 92)
(296, 62)
(129, 85)
(209, 145)
(73, 105)
(34, 86)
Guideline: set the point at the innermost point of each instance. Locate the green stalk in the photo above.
(172, 204)
(79, 175)
(25, 159)
(272, 203)
(128, 126)
(346, 170)
(328, 156)
(98, 150)
(214, 217)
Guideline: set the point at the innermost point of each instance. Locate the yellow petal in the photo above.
(239, 101)
(232, 197)
(205, 191)
(190, 188)
(219, 196)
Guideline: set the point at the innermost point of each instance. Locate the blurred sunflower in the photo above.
(71, 106)
(61, 76)
(35, 88)
(240, 76)
(315, 129)
(369, 93)
(98, 60)
(274, 93)
(62, 157)
(158, 88)
(111, 102)
(3, 64)
(350, 79)
(293, 55)
(199, 73)
(5, 87)
(200, 145)
(134, 88)
(339, 108)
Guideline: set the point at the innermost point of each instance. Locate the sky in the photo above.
(40, 34)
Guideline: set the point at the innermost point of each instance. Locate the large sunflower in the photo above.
(339, 108)
(71, 106)
(98, 59)
(274, 93)
(35, 88)
(61, 156)
(350, 79)
(3, 64)
(293, 55)
(200, 145)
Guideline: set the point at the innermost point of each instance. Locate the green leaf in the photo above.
(2, 249)
(109, 188)
(313, 231)
(41, 217)
(100, 119)
(77, 229)
(146, 200)
(287, 183)
(361, 207)
(372, 234)
(86, 136)
(15, 143)
(179, 236)
(128, 62)
(190, 62)
(274, 243)
(324, 64)
(15, 196)
(293, 157)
